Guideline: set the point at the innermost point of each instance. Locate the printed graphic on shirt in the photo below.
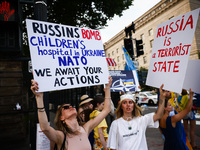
(131, 134)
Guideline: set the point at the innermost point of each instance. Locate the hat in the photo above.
(127, 96)
(85, 99)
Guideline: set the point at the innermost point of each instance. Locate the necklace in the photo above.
(79, 133)
(129, 125)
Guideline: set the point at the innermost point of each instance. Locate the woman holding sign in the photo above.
(69, 134)
(128, 131)
(171, 127)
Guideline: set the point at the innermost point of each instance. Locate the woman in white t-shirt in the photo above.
(128, 131)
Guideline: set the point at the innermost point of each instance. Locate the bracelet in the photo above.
(40, 110)
(40, 107)
(107, 97)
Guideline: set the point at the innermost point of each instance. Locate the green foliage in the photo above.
(85, 13)
(143, 69)
(143, 77)
(145, 87)
(92, 14)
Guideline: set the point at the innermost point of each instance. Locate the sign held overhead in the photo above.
(66, 57)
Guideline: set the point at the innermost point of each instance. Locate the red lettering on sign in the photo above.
(175, 26)
(166, 66)
(89, 34)
(174, 51)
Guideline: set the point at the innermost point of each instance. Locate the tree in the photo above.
(92, 14)
(142, 77)
(85, 13)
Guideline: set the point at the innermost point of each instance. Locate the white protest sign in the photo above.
(42, 142)
(66, 57)
(171, 50)
(192, 77)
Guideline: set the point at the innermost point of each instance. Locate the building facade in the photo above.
(145, 29)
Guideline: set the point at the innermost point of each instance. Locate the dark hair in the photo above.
(184, 92)
(87, 114)
(98, 99)
(166, 101)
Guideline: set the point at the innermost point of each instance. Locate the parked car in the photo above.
(147, 97)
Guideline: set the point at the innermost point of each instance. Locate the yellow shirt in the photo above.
(182, 101)
(103, 125)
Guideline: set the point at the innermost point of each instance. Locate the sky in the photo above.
(137, 9)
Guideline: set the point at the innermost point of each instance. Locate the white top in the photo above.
(130, 135)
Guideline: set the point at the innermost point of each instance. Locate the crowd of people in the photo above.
(86, 128)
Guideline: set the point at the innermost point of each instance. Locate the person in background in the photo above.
(128, 131)
(190, 117)
(172, 101)
(111, 116)
(87, 107)
(86, 102)
(81, 116)
(69, 134)
(171, 127)
(100, 131)
(137, 98)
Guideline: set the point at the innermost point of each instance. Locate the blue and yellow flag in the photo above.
(129, 63)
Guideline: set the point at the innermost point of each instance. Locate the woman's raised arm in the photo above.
(90, 125)
(50, 132)
(184, 112)
(160, 111)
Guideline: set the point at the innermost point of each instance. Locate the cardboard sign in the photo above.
(171, 50)
(66, 57)
(192, 76)
(124, 81)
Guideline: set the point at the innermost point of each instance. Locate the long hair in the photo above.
(98, 100)
(137, 111)
(61, 125)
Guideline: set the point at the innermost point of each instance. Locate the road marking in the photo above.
(153, 107)
(197, 115)
(197, 122)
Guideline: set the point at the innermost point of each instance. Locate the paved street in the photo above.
(154, 137)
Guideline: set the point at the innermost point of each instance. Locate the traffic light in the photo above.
(128, 44)
(129, 30)
(139, 47)
(10, 24)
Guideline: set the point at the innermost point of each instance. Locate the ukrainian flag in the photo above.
(129, 62)
(128, 81)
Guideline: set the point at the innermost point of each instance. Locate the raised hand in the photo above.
(191, 93)
(109, 82)
(162, 92)
(34, 88)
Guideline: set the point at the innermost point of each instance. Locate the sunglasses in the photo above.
(67, 106)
